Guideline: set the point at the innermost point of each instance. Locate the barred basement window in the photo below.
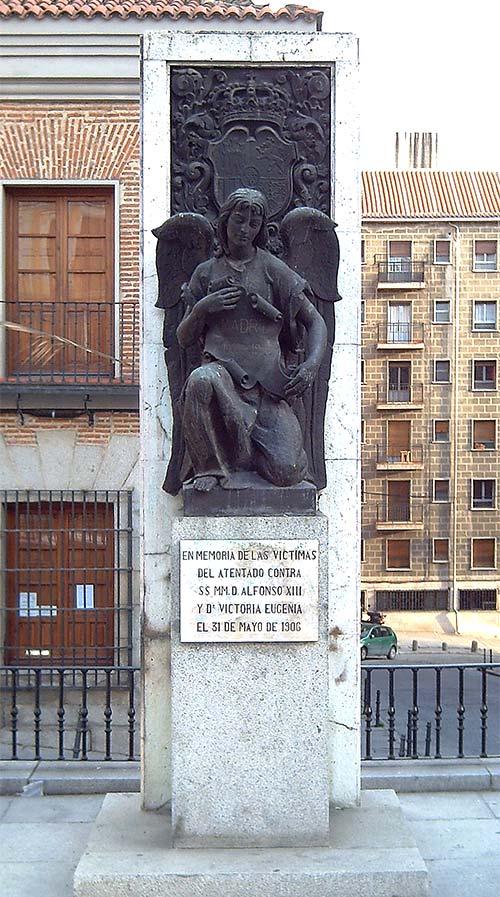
(477, 599)
(412, 599)
(68, 578)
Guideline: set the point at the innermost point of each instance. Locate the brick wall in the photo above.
(85, 141)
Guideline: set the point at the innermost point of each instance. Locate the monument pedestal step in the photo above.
(372, 852)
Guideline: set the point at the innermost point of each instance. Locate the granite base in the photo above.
(371, 852)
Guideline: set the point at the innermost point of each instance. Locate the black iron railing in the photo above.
(69, 713)
(71, 342)
(397, 393)
(404, 332)
(401, 271)
(387, 454)
(399, 512)
(439, 711)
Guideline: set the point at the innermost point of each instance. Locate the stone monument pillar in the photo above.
(250, 552)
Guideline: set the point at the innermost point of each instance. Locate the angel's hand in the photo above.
(220, 300)
(301, 381)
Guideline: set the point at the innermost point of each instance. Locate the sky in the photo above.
(430, 65)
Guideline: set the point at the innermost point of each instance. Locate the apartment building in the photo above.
(69, 334)
(430, 398)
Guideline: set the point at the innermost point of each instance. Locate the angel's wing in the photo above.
(311, 248)
(184, 241)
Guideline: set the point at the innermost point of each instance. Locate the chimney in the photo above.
(416, 149)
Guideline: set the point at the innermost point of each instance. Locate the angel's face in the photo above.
(243, 225)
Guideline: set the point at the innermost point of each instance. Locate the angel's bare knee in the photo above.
(200, 384)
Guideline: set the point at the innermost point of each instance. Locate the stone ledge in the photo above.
(372, 852)
(406, 776)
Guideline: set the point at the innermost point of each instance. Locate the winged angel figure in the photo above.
(248, 339)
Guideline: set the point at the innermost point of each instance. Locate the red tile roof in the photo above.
(425, 193)
(174, 9)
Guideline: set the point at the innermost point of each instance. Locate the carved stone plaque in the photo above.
(249, 590)
(267, 128)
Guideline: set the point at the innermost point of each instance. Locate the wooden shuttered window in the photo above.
(483, 553)
(398, 554)
(60, 279)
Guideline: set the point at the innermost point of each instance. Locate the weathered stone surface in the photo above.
(371, 852)
(250, 721)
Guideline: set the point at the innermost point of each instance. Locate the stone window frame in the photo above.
(437, 261)
(484, 361)
(440, 501)
(387, 542)
(479, 265)
(483, 539)
(436, 560)
(437, 361)
(474, 327)
(435, 319)
(440, 420)
(483, 507)
(474, 444)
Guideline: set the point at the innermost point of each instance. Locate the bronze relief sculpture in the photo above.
(248, 339)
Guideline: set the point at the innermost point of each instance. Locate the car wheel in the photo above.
(392, 652)
(364, 652)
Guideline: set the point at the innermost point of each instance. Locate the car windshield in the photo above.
(365, 630)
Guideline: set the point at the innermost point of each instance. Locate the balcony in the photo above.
(390, 458)
(400, 274)
(401, 335)
(393, 515)
(400, 397)
(70, 355)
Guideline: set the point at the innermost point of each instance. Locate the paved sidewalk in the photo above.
(458, 834)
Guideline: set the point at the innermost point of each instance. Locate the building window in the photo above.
(399, 501)
(484, 435)
(485, 255)
(442, 311)
(363, 370)
(363, 493)
(440, 551)
(399, 381)
(412, 599)
(399, 260)
(399, 322)
(477, 599)
(441, 490)
(363, 430)
(362, 550)
(442, 252)
(363, 256)
(68, 578)
(441, 430)
(60, 282)
(483, 494)
(484, 375)
(363, 311)
(483, 554)
(485, 314)
(398, 554)
(442, 371)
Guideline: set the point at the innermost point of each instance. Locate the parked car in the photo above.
(378, 641)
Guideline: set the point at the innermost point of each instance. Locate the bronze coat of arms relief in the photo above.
(266, 128)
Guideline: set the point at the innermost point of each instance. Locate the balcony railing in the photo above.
(395, 334)
(71, 342)
(388, 455)
(400, 394)
(401, 271)
(391, 513)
